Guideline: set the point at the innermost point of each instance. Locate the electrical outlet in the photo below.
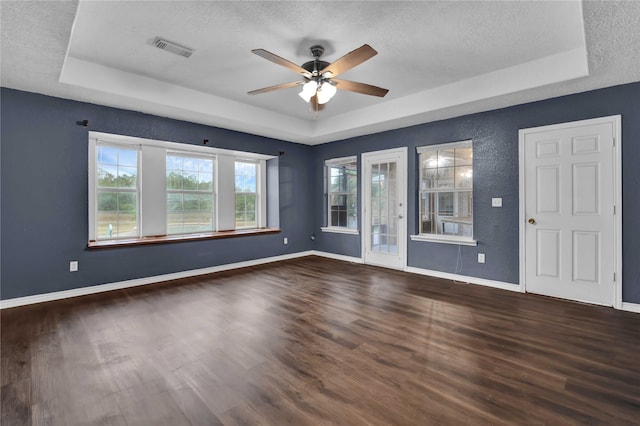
(73, 266)
(496, 202)
(286, 240)
(480, 257)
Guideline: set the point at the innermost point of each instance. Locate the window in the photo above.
(142, 190)
(246, 194)
(117, 191)
(342, 194)
(189, 194)
(446, 191)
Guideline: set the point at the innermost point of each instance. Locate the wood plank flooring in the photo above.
(316, 341)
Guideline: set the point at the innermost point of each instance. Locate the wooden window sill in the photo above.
(162, 239)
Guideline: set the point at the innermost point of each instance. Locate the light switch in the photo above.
(496, 202)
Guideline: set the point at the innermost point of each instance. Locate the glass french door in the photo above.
(384, 231)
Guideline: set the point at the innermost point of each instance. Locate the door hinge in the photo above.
(614, 277)
(614, 209)
(614, 142)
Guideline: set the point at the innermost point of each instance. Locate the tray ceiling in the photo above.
(438, 59)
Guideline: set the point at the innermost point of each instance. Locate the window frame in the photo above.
(189, 154)
(94, 190)
(443, 238)
(152, 190)
(333, 163)
(258, 194)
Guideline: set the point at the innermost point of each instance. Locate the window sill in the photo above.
(445, 239)
(162, 239)
(338, 230)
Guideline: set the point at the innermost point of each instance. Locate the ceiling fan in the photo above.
(319, 83)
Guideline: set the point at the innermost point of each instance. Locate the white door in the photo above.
(569, 222)
(384, 235)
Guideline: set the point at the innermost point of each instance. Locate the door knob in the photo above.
(532, 221)
(399, 216)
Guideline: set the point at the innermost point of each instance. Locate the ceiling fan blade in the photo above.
(365, 89)
(315, 105)
(281, 61)
(276, 87)
(350, 60)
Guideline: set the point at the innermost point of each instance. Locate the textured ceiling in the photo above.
(438, 59)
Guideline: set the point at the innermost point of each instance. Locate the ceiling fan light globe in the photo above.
(323, 98)
(310, 87)
(305, 96)
(326, 92)
(308, 90)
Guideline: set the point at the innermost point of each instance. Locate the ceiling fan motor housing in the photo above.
(316, 51)
(315, 66)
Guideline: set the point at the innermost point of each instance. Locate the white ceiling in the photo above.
(438, 59)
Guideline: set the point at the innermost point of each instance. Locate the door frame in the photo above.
(403, 180)
(616, 121)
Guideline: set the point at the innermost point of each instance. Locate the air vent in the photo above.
(172, 47)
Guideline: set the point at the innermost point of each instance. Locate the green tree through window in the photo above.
(189, 194)
(117, 192)
(246, 194)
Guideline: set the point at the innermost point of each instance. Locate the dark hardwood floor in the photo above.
(316, 341)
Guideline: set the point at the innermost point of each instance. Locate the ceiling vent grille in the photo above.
(172, 47)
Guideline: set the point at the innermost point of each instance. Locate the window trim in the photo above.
(260, 189)
(94, 191)
(445, 239)
(340, 230)
(441, 238)
(168, 147)
(178, 238)
(328, 164)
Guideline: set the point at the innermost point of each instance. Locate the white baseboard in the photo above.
(83, 291)
(631, 307)
(431, 273)
(57, 295)
(342, 257)
(465, 279)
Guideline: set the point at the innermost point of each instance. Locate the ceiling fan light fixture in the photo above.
(319, 84)
(308, 90)
(326, 92)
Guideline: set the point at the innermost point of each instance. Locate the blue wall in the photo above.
(495, 145)
(45, 199)
(44, 191)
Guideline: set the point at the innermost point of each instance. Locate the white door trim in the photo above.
(616, 120)
(403, 180)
